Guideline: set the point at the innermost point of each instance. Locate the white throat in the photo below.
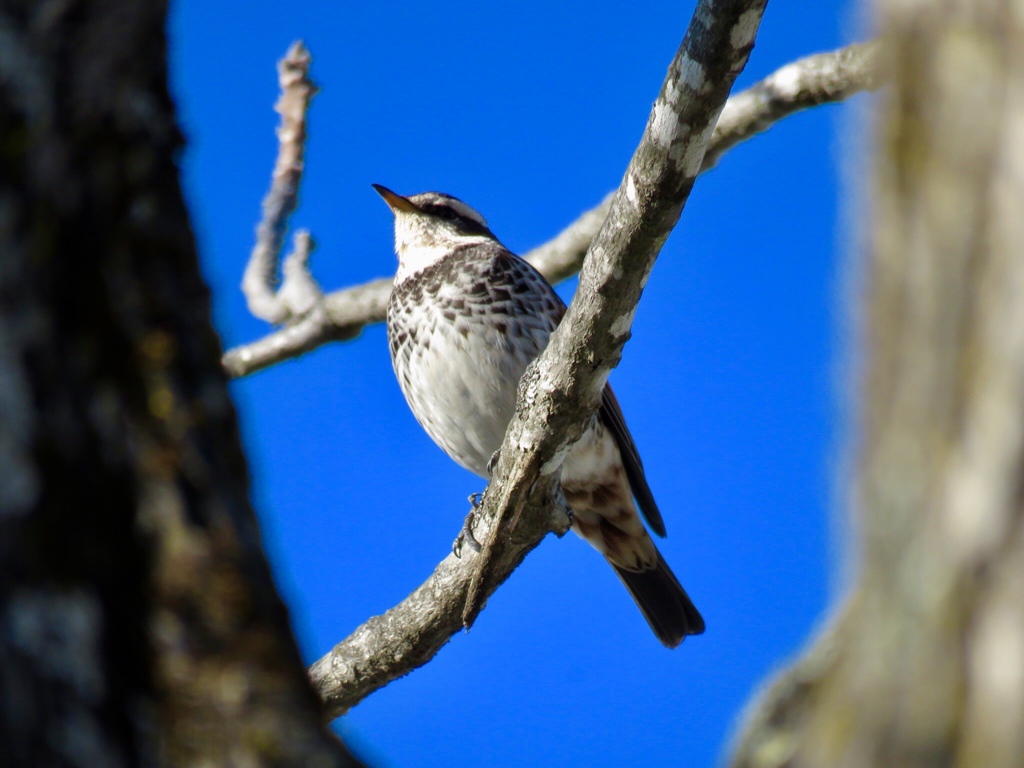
(419, 247)
(416, 257)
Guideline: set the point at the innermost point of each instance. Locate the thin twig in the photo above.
(259, 283)
(818, 79)
(299, 292)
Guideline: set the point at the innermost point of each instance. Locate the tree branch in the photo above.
(818, 79)
(299, 292)
(560, 390)
(823, 78)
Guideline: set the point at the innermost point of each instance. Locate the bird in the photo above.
(465, 318)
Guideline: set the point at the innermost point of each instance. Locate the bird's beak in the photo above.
(395, 201)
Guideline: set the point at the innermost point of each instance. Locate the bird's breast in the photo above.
(458, 358)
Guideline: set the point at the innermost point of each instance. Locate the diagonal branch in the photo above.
(560, 390)
(819, 79)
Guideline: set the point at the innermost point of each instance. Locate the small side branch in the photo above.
(298, 293)
(560, 390)
(819, 79)
(824, 78)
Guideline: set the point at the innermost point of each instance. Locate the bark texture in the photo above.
(924, 666)
(138, 621)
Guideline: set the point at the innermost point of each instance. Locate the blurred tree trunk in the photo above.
(925, 664)
(138, 621)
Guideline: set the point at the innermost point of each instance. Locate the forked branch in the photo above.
(819, 79)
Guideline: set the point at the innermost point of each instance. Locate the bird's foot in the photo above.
(466, 534)
(561, 528)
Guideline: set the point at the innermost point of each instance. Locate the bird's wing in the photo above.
(611, 415)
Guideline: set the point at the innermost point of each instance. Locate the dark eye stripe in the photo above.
(446, 212)
(441, 211)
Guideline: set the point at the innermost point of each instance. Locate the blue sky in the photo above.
(730, 384)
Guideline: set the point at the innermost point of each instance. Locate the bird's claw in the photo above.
(466, 534)
(570, 518)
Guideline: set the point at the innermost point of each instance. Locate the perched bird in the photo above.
(465, 318)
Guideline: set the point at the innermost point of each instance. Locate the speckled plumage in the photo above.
(459, 331)
(465, 318)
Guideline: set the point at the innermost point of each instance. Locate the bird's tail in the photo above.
(663, 602)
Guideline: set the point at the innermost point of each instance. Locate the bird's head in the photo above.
(430, 225)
